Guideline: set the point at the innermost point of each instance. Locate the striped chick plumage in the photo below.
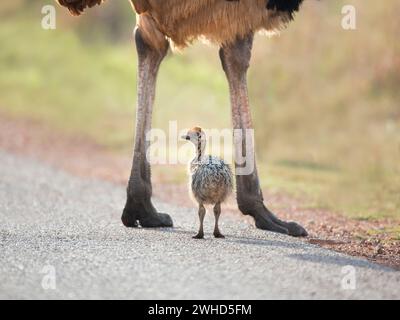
(211, 180)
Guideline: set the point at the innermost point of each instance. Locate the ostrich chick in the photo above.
(210, 180)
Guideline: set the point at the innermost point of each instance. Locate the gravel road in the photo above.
(61, 238)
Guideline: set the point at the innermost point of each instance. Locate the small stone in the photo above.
(379, 250)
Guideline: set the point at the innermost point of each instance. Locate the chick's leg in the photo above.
(217, 213)
(202, 213)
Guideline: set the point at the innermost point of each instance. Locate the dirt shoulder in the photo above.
(82, 157)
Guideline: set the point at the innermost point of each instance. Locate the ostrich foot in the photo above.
(147, 216)
(266, 220)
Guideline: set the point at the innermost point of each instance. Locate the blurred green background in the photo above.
(325, 100)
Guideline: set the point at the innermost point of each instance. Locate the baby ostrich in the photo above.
(210, 180)
(231, 25)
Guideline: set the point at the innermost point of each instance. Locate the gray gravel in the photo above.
(53, 222)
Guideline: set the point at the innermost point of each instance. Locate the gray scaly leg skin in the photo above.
(138, 205)
(202, 213)
(217, 213)
(235, 60)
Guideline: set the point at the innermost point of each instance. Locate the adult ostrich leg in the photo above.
(151, 49)
(235, 60)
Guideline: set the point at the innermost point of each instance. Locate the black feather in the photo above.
(289, 6)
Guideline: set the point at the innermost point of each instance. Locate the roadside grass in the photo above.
(392, 233)
(326, 109)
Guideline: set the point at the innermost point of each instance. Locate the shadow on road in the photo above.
(338, 261)
(236, 239)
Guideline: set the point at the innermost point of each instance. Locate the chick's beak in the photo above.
(185, 137)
